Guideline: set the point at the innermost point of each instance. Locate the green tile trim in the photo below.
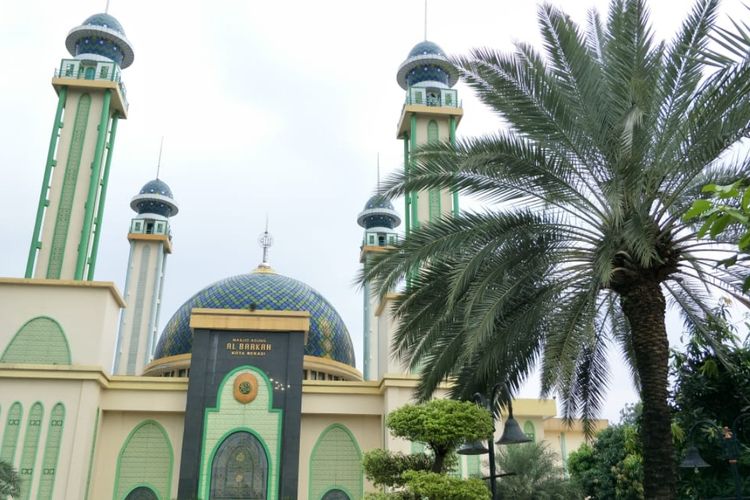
(413, 195)
(102, 198)
(48, 166)
(30, 448)
(67, 193)
(336, 463)
(93, 190)
(452, 139)
(51, 452)
(473, 466)
(40, 340)
(145, 459)
(11, 433)
(91, 454)
(259, 418)
(407, 198)
(529, 430)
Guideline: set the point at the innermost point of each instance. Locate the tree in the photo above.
(712, 383)
(442, 425)
(10, 483)
(726, 217)
(610, 137)
(611, 468)
(537, 475)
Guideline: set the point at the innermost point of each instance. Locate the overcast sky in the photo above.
(272, 107)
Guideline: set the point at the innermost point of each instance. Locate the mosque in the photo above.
(251, 389)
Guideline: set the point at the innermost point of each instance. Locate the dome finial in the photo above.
(158, 163)
(265, 240)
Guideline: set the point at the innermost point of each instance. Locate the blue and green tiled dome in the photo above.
(155, 197)
(263, 290)
(100, 36)
(378, 212)
(426, 64)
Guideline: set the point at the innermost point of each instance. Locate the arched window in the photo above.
(529, 430)
(336, 494)
(240, 468)
(142, 493)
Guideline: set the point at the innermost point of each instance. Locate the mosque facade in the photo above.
(251, 389)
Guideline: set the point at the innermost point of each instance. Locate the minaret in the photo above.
(90, 101)
(150, 243)
(379, 221)
(430, 115)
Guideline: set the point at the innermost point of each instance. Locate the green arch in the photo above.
(30, 447)
(529, 430)
(51, 452)
(336, 463)
(145, 459)
(270, 480)
(40, 340)
(10, 435)
(433, 132)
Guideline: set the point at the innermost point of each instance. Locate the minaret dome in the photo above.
(378, 212)
(156, 198)
(100, 37)
(427, 66)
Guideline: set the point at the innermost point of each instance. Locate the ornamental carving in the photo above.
(245, 388)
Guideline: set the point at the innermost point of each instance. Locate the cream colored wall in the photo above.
(86, 311)
(366, 429)
(82, 183)
(150, 288)
(80, 398)
(446, 201)
(387, 325)
(116, 426)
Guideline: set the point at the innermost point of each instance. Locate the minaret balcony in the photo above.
(426, 96)
(93, 74)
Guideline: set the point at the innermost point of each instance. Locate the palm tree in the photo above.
(609, 137)
(536, 474)
(10, 484)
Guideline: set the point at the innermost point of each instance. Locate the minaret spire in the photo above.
(158, 164)
(265, 240)
(425, 18)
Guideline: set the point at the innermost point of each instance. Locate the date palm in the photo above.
(609, 137)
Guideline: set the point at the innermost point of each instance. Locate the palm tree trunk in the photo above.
(644, 306)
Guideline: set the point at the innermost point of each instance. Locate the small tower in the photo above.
(90, 101)
(430, 115)
(379, 221)
(150, 242)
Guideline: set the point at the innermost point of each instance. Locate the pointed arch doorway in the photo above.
(239, 469)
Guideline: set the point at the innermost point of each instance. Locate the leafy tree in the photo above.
(442, 424)
(442, 487)
(10, 483)
(537, 475)
(712, 383)
(386, 468)
(726, 217)
(610, 137)
(611, 468)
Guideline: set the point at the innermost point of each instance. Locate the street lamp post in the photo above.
(730, 445)
(512, 434)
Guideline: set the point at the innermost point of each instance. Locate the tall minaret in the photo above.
(379, 221)
(150, 242)
(430, 114)
(91, 100)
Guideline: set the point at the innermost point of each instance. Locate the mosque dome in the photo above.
(100, 36)
(426, 64)
(105, 20)
(155, 197)
(378, 212)
(263, 289)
